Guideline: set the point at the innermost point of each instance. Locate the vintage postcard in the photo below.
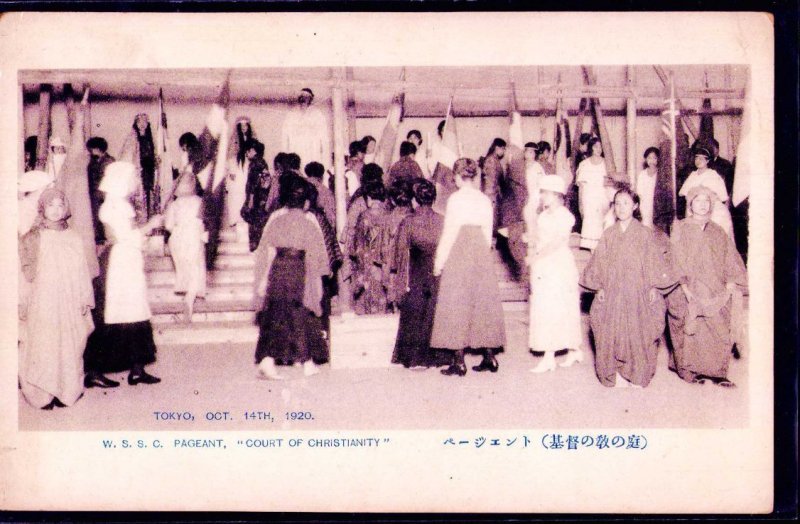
(420, 262)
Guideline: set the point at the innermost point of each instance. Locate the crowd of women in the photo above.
(397, 252)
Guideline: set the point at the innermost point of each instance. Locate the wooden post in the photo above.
(351, 108)
(630, 128)
(43, 141)
(87, 116)
(339, 131)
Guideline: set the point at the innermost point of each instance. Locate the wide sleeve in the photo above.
(678, 254)
(658, 273)
(690, 182)
(734, 270)
(119, 219)
(717, 185)
(594, 275)
(128, 151)
(316, 253)
(580, 177)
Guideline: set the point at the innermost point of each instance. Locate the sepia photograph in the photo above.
(381, 295)
(417, 258)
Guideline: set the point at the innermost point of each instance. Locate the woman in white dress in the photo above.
(646, 184)
(555, 315)
(704, 176)
(236, 181)
(187, 243)
(594, 200)
(129, 334)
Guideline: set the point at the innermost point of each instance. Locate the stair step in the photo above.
(219, 277)
(242, 261)
(213, 332)
(203, 306)
(168, 319)
(214, 295)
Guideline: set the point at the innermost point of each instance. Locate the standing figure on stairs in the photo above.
(555, 311)
(236, 181)
(291, 286)
(183, 219)
(140, 150)
(129, 334)
(259, 181)
(469, 313)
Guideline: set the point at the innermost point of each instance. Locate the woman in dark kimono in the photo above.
(628, 272)
(414, 283)
(290, 329)
(401, 192)
(254, 211)
(710, 271)
(469, 314)
(370, 272)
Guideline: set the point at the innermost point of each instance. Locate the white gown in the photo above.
(555, 315)
(594, 201)
(235, 191)
(187, 244)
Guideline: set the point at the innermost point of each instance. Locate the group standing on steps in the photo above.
(397, 251)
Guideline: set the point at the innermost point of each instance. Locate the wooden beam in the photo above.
(630, 128)
(43, 141)
(149, 81)
(339, 132)
(576, 140)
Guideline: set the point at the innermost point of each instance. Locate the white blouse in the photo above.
(466, 207)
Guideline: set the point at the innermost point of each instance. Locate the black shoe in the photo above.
(455, 369)
(736, 354)
(57, 403)
(489, 363)
(50, 406)
(143, 378)
(99, 381)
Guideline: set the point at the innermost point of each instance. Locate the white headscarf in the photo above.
(30, 186)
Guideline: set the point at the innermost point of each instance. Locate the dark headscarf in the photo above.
(29, 243)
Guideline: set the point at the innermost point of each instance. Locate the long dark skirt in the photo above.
(112, 348)
(121, 347)
(469, 313)
(289, 332)
(412, 347)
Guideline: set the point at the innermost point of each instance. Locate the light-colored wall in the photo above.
(113, 122)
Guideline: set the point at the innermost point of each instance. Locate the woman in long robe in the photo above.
(594, 201)
(555, 311)
(628, 272)
(414, 283)
(128, 343)
(469, 314)
(710, 271)
(259, 181)
(238, 176)
(370, 272)
(290, 329)
(187, 243)
(140, 150)
(56, 311)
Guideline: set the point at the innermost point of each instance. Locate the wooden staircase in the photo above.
(227, 315)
